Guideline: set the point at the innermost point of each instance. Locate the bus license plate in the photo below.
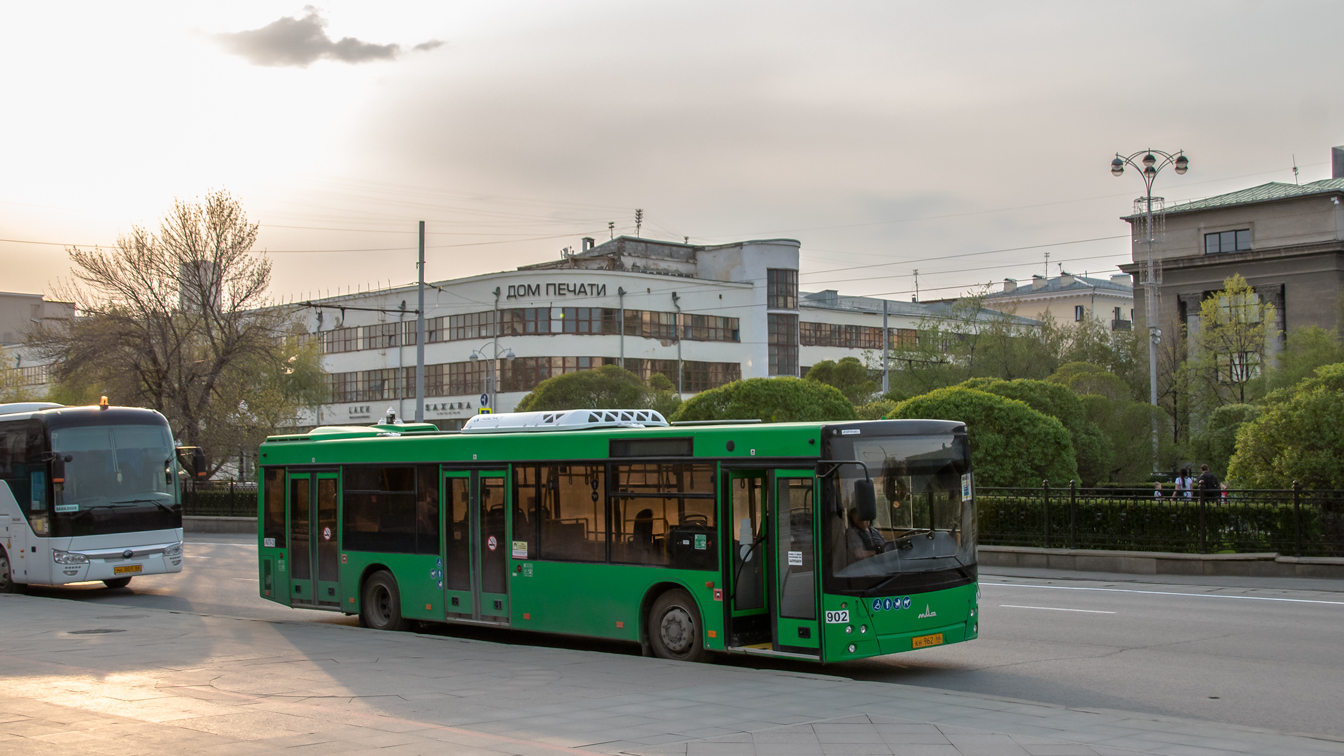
(125, 569)
(924, 641)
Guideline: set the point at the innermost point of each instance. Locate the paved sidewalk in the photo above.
(96, 679)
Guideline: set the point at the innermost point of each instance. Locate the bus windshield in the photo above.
(924, 531)
(119, 478)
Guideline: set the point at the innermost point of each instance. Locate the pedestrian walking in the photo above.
(1185, 485)
(1208, 485)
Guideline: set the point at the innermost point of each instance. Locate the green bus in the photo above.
(820, 541)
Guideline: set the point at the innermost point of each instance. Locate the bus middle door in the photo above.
(475, 554)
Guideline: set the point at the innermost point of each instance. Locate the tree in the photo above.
(1085, 378)
(848, 375)
(1233, 326)
(1011, 444)
(1216, 442)
(1308, 348)
(1119, 352)
(1091, 448)
(665, 398)
(770, 400)
(967, 340)
(607, 387)
(1299, 436)
(175, 320)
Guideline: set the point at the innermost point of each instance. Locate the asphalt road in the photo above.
(1262, 653)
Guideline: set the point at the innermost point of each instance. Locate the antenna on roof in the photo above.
(1047, 264)
(916, 299)
(611, 228)
(1295, 181)
(639, 221)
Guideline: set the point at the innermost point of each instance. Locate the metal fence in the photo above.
(219, 499)
(1294, 522)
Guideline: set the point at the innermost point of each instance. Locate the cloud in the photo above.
(427, 46)
(302, 41)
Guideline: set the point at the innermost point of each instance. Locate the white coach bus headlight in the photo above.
(173, 551)
(68, 557)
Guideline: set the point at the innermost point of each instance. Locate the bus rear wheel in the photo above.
(117, 582)
(674, 626)
(380, 607)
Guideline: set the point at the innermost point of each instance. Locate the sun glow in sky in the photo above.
(887, 134)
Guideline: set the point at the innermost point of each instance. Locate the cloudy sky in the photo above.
(964, 140)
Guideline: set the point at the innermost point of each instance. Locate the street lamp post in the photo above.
(1149, 164)
(492, 365)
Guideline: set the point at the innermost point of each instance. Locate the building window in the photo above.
(783, 344)
(1227, 241)
(340, 340)
(781, 291)
(1078, 313)
(709, 328)
(473, 325)
(837, 335)
(381, 336)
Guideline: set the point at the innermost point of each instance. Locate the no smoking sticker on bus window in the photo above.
(491, 543)
(326, 534)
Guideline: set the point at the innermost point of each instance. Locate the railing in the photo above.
(219, 499)
(1292, 522)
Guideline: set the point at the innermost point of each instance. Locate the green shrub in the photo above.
(771, 400)
(1092, 449)
(1011, 444)
(1299, 436)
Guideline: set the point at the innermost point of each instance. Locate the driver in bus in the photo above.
(862, 539)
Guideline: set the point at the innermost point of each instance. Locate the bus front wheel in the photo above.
(7, 584)
(117, 582)
(381, 605)
(674, 626)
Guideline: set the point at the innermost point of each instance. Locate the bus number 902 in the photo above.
(837, 617)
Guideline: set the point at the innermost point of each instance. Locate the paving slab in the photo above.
(174, 682)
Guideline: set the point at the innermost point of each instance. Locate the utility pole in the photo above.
(886, 359)
(420, 337)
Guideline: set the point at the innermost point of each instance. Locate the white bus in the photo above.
(86, 494)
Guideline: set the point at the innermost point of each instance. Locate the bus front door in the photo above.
(475, 560)
(794, 605)
(314, 556)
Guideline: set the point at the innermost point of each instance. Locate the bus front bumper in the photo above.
(156, 559)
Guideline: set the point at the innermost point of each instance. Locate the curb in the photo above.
(1162, 563)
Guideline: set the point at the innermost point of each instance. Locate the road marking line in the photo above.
(193, 556)
(1165, 593)
(1055, 609)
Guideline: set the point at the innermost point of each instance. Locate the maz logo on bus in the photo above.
(838, 617)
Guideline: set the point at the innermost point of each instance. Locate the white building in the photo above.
(701, 315)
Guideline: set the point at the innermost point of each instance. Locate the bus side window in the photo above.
(664, 515)
(573, 523)
(427, 510)
(380, 509)
(273, 504)
(526, 492)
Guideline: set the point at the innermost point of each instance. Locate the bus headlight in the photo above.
(68, 557)
(174, 550)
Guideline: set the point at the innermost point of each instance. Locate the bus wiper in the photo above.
(85, 510)
(155, 502)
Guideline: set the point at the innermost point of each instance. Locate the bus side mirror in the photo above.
(192, 459)
(865, 501)
(58, 469)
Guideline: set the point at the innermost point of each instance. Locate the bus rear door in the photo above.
(475, 556)
(314, 555)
